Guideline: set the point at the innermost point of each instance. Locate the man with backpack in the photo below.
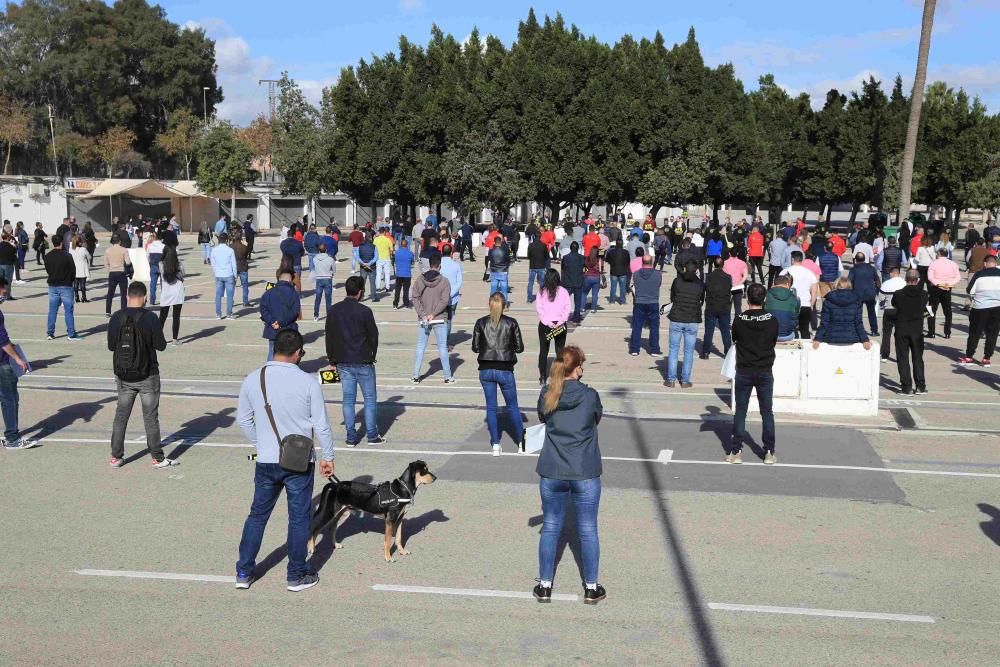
(134, 336)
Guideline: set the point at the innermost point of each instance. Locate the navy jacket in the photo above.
(279, 304)
(571, 450)
(311, 240)
(841, 319)
(351, 333)
(829, 266)
(864, 278)
(572, 270)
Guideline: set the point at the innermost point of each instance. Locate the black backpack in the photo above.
(131, 358)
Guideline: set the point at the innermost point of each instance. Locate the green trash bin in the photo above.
(891, 232)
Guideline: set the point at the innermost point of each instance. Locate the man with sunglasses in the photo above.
(296, 403)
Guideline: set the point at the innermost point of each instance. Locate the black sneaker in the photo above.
(415, 380)
(593, 596)
(542, 593)
(377, 440)
(350, 444)
(303, 582)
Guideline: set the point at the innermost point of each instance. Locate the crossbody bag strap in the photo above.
(267, 406)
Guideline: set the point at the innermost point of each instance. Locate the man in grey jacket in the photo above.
(431, 297)
(646, 284)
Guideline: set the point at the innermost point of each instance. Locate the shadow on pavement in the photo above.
(196, 430)
(38, 364)
(66, 416)
(991, 528)
(206, 333)
(710, 650)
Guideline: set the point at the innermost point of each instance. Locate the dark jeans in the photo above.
(116, 280)
(723, 322)
(492, 379)
(737, 302)
(466, 245)
(9, 402)
(80, 289)
(592, 286)
(910, 344)
(533, 275)
(872, 317)
(645, 313)
(401, 285)
(268, 480)
(369, 277)
(176, 322)
(586, 496)
(757, 267)
(746, 382)
(772, 273)
(939, 297)
(983, 320)
(543, 349)
(888, 325)
(805, 318)
(148, 391)
(578, 296)
(618, 284)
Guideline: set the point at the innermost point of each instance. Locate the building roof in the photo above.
(140, 188)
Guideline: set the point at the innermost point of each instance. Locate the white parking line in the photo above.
(832, 613)
(470, 592)
(173, 576)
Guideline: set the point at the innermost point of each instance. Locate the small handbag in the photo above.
(294, 451)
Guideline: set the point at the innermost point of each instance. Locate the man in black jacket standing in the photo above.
(718, 299)
(618, 266)
(910, 304)
(351, 347)
(538, 262)
(755, 333)
(687, 293)
(572, 279)
(61, 270)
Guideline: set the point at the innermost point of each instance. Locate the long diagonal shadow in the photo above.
(696, 609)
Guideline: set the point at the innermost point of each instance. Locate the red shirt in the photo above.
(915, 244)
(548, 237)
(491, 238)
(839, 245)
(755, 244)
(590, 240)
(357, 238)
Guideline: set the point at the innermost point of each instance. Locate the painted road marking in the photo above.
(672, 461)
(470, 592)
(832, 613)
(173, 576)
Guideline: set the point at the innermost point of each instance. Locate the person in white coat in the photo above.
(81, 258)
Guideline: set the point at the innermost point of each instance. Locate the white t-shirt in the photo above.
(802, 281)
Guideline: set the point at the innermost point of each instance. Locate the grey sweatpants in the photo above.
(148, 391)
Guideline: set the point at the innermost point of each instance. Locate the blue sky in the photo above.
(809, 45)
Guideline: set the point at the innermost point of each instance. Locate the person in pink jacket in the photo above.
(738, 270)
(553, 307)
(942, 275)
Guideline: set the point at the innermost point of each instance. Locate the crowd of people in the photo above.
(898, 279)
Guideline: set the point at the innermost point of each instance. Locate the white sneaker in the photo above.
(496, 450)
(165, 463)
(23, 443)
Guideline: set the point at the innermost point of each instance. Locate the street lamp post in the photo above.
(204, 103)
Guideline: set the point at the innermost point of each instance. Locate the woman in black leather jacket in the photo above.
(496, 338)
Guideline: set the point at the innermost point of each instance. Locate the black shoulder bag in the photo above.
(295, 451)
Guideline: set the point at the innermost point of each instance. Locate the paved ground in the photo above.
(895, 515)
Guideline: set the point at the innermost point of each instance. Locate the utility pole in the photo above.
(272, 96)
(916, 103)
(52, 131)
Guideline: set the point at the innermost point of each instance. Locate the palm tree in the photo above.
(916, 102)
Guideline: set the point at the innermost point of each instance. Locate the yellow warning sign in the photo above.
(840, 371)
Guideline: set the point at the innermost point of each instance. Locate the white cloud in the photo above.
(817, 91)
(765, 55)
(974, 79)
(411, 5)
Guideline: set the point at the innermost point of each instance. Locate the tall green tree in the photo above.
(223, 162)
(180, 139)
(300, 153)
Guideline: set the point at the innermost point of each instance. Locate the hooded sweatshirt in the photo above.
(571, 450)
(687, 293)
(840, 323)
(646, 285)
(783, 304)
(431, 294)
(553, 313)
(910, 303)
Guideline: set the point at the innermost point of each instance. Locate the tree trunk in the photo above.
(655, 209)
(854, 212)
(187, 167)
(805, 212)
(374, 211)
(437, 211)
(715, 213)
(916, 103)
(6, 163)
(232, 209)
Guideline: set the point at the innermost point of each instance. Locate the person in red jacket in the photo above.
(590, 240)
(755, 251)
(916, 241)
(839, 245)
(548, 237)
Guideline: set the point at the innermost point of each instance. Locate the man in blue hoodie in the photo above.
(403, 259)
(279, 309)
(311, 243)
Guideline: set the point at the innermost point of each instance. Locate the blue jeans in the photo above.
(618, 286)
(9, 402)
(533, 275)
(592, 285)
(491, 379)
(498, 283)
(711, 321)
(441, 334)
(689, 332)
(643, 313)
(586, 495)
(245, 282)
(352, 375)
(268, 480)
(763, 381)
(206, 251)
(577, 294)
(324, 287)
(7, 272)
(154, 277)
(355, 259)
(57, 296)
(312, 260)
(229, 286)
(270, 349)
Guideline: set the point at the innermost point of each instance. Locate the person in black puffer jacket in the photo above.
(841, 320)
(496, 338)
(687, 293)
(718, 299)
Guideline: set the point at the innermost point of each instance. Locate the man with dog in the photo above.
(293, 406)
